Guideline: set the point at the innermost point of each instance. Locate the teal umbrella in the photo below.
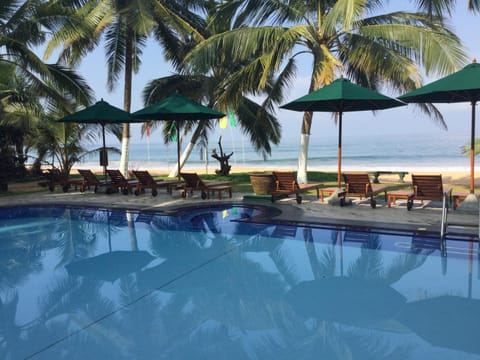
(341, 96)
(177, 108)
(461, 86)
(100, 113)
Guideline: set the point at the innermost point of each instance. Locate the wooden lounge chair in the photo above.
(55, 177)
(428, 187)
(359, 185)
(90, 179)
(121, 183)
(193, 182)
(146, 181)
(286, 184)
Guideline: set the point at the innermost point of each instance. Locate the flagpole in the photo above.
(148, 150)
(178, 149)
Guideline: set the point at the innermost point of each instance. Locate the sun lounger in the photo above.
(286, 184)
(55, 177)
(121, 183)
(194, 182)
(90, 179)
(146, 181)
(359, 185)
(428, 187)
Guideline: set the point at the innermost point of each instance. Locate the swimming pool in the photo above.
(209, 283)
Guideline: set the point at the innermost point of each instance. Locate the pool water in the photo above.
(211, 283)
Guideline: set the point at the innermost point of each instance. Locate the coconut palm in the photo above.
(217, 86)
(125, 26)
(255, 119)
(353, 38)
(27, 84)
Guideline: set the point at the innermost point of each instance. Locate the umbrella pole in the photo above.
(472, 151)
(103, 155)
(178, 150)
(339, 175)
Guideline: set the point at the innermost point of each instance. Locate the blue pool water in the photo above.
(210, 283)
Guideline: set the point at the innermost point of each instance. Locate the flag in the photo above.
(147, 130)
(223, 122)
(173, 131)
(231, 117)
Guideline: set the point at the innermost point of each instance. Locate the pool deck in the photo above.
(422, 218)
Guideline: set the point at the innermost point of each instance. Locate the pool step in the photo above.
(463, 229)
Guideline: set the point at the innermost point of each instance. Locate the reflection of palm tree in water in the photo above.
(70, 303)
(361, 297)
(228, 290)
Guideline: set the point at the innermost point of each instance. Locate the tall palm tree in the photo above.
(347, 37)
(217, 85)
(125, 27)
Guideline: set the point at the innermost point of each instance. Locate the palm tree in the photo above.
(262, 127)
(217, 85)
(28, 85)
(342, 37)
(125, 26)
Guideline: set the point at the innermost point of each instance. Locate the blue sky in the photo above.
(398, 121)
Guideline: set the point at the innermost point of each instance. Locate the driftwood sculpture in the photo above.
(223, 159)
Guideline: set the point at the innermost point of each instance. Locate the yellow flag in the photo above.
(223, 122)
(224, 214)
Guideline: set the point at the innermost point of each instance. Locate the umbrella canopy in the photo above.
(177, 108)
(100, 113)
(341, 96)
(461, 86)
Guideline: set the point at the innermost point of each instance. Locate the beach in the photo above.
(439, 154)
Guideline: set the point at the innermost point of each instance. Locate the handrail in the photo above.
(444, 224)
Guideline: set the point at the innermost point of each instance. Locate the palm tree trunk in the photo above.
(127, 99)
(315, 83)
(188, 150)
(303, 152)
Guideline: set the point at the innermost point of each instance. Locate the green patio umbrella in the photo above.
(461, 86)
(177, 108)
(100, 113)
(342, 96)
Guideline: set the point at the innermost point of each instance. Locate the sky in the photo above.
(398, 121)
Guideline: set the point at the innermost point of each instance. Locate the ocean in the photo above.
(439, 153)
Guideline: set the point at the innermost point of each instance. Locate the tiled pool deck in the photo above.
(425, 217)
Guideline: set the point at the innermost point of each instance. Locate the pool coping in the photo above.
(422, 219)
(289, 213)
